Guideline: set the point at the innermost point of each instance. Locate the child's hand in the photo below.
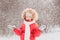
(11, 27)
(42, 27)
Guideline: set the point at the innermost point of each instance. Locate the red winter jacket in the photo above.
(34, 31)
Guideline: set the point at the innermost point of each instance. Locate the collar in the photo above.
(28, 23)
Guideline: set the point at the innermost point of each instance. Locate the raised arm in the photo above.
(19, 31)
(36, 31)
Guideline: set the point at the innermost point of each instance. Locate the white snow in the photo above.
(15, 37)
(44, 36)
(49, 36)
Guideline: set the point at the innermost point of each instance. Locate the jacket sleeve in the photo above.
(36, 31)
(19, 31)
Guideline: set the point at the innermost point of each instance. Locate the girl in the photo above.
(29, 28)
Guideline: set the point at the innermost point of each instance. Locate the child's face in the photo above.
(28, 16)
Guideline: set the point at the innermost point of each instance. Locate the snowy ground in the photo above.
(44, 36)
(50, 36)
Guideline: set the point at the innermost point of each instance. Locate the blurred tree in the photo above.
(10, 12)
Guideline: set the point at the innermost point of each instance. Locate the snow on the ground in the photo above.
(44, 36)
(50, 36)
(15, 37)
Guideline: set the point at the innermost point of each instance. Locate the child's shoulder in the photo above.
(34, 24)
(22, 24)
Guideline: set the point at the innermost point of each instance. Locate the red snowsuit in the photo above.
(34, 31)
